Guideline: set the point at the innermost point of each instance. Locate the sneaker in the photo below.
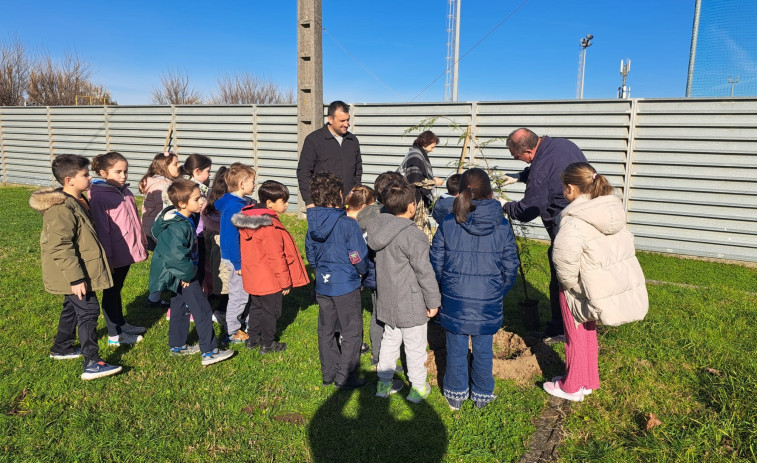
(159, 304)
(584, 391)
(481, 403)
(185, 350)
(416, 395)
(168, 314)
(123, 338)
(553, 388)
(556, 339)
(351, 384)
(454, 405)
(98, 369)
(252, 344)
(191, 318)
(386, 389)
(364, 348)
(215, 356)
(131, 329)
(73, 355)
(238, 337)
(274, 347)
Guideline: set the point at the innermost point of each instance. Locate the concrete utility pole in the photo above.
(309, 74)
(453, 50)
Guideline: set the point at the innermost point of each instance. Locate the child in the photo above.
(216, 274)
(271, 263)
(163, 169)
(67, 236)
(114, 211)
(408, 294)
(443, 204)
(598, 271)
(336, 250)
(174, 267)
(364, 217)
(240, 180)
(475, 261)
(197, 168)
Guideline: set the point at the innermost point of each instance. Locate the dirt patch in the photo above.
(513, 358)
(543, 444)
(294, 418)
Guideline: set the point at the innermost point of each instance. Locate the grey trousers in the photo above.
(238, 298)
(414, 339)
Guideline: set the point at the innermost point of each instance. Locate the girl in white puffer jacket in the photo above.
(599, 275)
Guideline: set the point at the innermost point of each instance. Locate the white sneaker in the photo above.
(552, 388)
(123, 338)
(584, 391)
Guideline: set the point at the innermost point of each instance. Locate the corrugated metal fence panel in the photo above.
(694, 183)
(25, 145)
(277, 147)
(78, 130)
(138, 132)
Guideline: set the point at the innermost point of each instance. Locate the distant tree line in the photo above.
(38, 79)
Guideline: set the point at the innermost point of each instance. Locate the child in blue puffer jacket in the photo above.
(475, 260)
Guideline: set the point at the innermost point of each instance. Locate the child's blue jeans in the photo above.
(480, 381)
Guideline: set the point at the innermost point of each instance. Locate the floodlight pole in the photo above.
(733, 81)
(585, 43)
(693, 50)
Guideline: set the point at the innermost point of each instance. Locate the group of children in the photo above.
(89, 244)
(216, 240)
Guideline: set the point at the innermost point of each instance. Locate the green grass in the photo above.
(273, 408)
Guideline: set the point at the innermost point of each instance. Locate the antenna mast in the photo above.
(453, 50)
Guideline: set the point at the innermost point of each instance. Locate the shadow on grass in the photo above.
(368, 431)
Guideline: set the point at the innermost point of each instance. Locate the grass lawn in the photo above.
(691, 363)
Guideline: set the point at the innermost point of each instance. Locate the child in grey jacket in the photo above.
(407, 291)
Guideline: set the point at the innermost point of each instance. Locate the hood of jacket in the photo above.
(151, 181)
(100, 186)
(322, 220)
(253, 217)
(44, 199)
(384, 231)
(605, 213)
(484, 219)
(229, 199)
(369, 213)
(166, 217)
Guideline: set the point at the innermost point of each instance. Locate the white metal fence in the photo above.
(687, 168)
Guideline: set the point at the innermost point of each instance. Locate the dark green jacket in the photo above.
(71, 252)
(175, 257)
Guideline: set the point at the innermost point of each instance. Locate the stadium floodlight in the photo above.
(585, 43)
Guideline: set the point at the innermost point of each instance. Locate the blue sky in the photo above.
(532, 56)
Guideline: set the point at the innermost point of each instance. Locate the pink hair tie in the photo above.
(594, 177)
(167, 153)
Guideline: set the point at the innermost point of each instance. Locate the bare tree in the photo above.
(60, 83)
(248, 88)
(174, 89)
(14, 72)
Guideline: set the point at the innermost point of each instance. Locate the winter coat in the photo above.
(476, 263)
(417, 170)
(544, 196)
(176, 254)
(364, 218)
(336, 250)
(271, 261)
(321, 152)
(204, 193)
(406, 285)
(442, 207)
(114, 211)
(228, 205)
(71, 253)
(153, 203)
(596, 263)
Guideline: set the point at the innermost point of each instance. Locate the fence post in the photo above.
(50, 138)
(255, 160)
(107, 128)
(473, 129)
(629, 155)
(2, 151)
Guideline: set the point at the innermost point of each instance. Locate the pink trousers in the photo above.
(581, 353)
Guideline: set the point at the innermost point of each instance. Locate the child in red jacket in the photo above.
(271, 263)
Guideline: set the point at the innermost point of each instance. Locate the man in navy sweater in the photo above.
(548, 157)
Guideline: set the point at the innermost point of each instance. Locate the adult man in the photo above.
(548, 157)
(331, 148)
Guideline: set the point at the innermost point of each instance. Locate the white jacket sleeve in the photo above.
(566, 256)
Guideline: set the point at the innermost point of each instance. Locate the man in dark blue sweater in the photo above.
(548, 157)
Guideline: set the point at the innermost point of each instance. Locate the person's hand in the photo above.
(431, 313)
(183, 284)
(286, 291)
(438, 181)
(309, 206)
(239, 272)
(79, 290)
(511, 178)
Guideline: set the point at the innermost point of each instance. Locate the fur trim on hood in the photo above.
(44, 199)
(252, 222)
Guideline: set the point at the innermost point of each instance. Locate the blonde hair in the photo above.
(584, 177)
(236, 174)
